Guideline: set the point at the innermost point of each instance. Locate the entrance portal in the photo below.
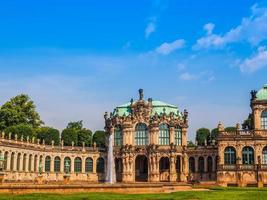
(141, 168)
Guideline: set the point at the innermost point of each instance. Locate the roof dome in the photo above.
(262, 93)
(158, 107)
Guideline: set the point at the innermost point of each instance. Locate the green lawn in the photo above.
(216, 193)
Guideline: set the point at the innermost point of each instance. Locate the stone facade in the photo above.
(150, 145)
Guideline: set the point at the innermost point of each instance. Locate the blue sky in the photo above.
(78, 59)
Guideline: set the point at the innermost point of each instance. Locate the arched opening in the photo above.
(67, 164)
(89, 165)
(192, 168)
(178, 164)
(248, 156)
(264, 120)
(229, 156)
(47, 164)
(209, 167)
(18, 162)
(141, 134)
(164, 169)
(118, 136)
(100, 165)
(164, 135)
(35, 163)
(77, 165)
(141, 168)
(118, 169)
(201, 166)
(178, 136)
(12, 161)
(24, 162)
(30, 163)
(57, 164)
(264, 155)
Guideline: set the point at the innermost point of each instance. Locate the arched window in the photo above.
(12, 161)
(35, 163)
(89, 165)
(178, 136)
(47, 164)
(229, 156)
(164, 135)
(141, 134)
(201, 164)
(30, 163)
(6, 155)
(18, 161)
(248, 156)
(24, 162)
(77, 164)
(192, 168)
(118, 136)
(178, 164)
(57, 164)
(264, 155)
(100, 165)
(264, 120)
(209, 161)
(67, 161)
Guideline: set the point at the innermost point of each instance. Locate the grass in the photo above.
(215, 193)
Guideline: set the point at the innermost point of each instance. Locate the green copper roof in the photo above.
(262, 93)
(157, 107)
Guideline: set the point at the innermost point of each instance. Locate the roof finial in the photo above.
(141, 94)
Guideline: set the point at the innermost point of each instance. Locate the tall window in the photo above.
(264, 155)
(77, 164)
(47, 163)
(178, 136)
(57, 164)
(118, 136)
(248, 155)
(229, 156)
(164, 135)
(192, 168)
(100, 165)
(201, 164)
(67, 160)
(89, 165)
(209, 161)
(18, 161)
(264, 120)
(30, 163)
(141, 134)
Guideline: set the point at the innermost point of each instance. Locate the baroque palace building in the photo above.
(150, 144)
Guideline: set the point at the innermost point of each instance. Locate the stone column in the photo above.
(72, 165)
(238, 154)
(94, 164)
(184, 168)
(52, 164)
(37, 163)
(62, 164)
(8, 162)
(27, 163)
(15, 162)
(21, 163)
(83, 164)
(172, 135)
(153, 168)
(32, 164)
(173, 174)
(257, 118)
(184, 139)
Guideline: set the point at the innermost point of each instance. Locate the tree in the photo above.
(248, 123)
(202, 136)
(20, 130)
(69, 135)
(76, 133)
(214, 134)
(19, 110)
(99, 138)
(85, 135)
(230, 129)
(48, 134)
(190, 144)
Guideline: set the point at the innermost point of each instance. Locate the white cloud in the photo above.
(252, 29)
(167, 48)
(255, 62)
(151, 27)
(187, 76)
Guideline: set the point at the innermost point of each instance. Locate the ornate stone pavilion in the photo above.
(150, 144)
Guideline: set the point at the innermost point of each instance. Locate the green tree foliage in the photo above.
(19, 130)
(230, 129)
(76, 133)
(202, 136)
(85, 135)
(19, 110)
(99, 138)
(190, 144)
(48, 134)
(248, 123)
(214, 134)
